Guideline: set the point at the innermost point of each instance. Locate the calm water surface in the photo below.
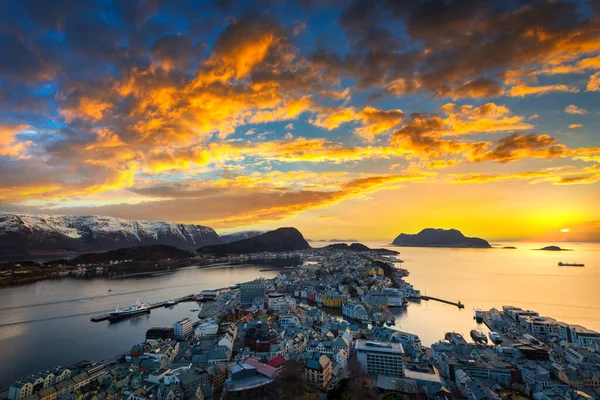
(47, 323)
(485, 278)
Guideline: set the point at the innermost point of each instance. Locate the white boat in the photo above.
(170, 303)
(496, 339)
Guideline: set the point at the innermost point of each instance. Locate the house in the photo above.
(318, 369)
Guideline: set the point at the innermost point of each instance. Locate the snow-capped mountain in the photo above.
(28, 233)
(234, 237)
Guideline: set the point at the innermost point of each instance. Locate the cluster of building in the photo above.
(247, 337)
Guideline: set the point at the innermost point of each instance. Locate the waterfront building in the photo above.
(182, 329)
(19, 390)
(539, 326)
(318, 369)
(515, 313)
(380, 358)
(253, 293)
(584, 338)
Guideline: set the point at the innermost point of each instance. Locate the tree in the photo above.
(290, 383)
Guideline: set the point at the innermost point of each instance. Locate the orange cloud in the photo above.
(575, 126)
(88, 109)
(577, 177)
(593, 84)
(522, 90)
(10, 145)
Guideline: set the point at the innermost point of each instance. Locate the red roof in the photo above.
(276, 361)
(261, 368)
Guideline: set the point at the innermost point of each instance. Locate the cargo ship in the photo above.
(133, 310)
(562, 264)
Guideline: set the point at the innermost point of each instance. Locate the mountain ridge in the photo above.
(282, 239)
(39, 233)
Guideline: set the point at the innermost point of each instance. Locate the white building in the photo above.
(208, 328)
(380, 358)
(183, 328)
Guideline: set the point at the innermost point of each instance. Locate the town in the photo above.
(322, 329)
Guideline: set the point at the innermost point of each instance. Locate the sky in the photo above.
(342, 118)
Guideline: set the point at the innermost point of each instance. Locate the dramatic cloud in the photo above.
(221, 114)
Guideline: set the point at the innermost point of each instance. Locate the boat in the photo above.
(456, 338)
(198, 298)
(496, 339)
(137, 308)
(478, 316)
(170, 303)
(110, 290)
(478, 337)
(562, 264)
(389, 323)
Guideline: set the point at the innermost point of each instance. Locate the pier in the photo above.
(104, 317)
(452, 303)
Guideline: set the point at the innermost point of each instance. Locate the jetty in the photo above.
(104, 317)
(452, 303)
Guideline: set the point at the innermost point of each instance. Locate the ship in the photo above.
(562, 264)
(456, 338)
(198, 298)
(496, 339)
(137, 308)
(478, 316)
(478, 337)
(170, 303)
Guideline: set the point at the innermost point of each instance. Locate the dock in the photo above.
(452, 303)
(104, 317)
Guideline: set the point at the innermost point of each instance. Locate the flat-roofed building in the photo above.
(380, 358)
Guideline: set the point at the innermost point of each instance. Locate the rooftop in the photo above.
(380, 347)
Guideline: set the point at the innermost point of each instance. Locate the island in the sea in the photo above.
(279, 240)
(431, 237)
(553, 248)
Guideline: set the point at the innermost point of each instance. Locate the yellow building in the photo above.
(333, 300)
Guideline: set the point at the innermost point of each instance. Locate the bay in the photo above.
(47, 323)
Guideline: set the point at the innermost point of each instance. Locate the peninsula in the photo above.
(431, 237)
(282, 239)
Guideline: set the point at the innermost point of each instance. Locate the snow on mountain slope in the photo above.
(27, 233)
(234, 237)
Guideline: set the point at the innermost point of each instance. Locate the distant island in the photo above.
(431, 237)
(553, 248)
(279, 240)
(359, 247)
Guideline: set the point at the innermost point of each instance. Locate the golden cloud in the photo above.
(522, 90)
